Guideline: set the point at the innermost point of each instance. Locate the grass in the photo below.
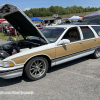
(6, 37)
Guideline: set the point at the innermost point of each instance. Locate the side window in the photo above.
(97, 29)
(87, 32)
(72, 34)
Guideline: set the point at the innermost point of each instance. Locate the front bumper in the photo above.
(12, 72)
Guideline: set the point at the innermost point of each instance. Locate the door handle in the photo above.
(80, 42)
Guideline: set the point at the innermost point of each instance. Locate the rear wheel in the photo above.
(96, 54)
(36, 68)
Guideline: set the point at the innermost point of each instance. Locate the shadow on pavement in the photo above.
(8, 82)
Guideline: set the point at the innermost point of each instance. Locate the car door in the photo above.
(89, 39)
(97, 33)
(63, 52)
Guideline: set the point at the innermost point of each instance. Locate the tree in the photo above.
(41, 12)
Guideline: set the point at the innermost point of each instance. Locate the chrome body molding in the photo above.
(74, 57)
(70, 58)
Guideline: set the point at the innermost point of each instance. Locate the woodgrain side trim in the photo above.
(21, 60)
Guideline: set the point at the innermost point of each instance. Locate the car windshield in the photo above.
(52, 34)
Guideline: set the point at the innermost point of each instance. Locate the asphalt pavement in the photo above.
(75, 80)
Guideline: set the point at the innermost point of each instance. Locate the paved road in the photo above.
(75, 80)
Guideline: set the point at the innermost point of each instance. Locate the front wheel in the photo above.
(96, 54)
(36, 68)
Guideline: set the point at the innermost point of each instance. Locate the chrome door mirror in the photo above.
(64, 41)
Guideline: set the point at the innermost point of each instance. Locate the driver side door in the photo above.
(64, 52)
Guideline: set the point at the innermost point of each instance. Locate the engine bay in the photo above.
(15, 47)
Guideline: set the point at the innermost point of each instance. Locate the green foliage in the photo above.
(0, 17)
(42, 12)
(6, 37)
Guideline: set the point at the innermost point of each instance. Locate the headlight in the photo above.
(8, 64)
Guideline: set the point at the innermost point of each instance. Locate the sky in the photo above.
(27, 4)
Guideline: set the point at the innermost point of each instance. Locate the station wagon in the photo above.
(41, 49)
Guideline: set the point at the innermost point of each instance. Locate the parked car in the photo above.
(51, 46)
(41, 26)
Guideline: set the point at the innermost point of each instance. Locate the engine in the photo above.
(16, 47)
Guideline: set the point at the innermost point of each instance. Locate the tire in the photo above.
(96, 54)
(36, 68)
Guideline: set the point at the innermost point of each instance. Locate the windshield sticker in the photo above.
(51, 40)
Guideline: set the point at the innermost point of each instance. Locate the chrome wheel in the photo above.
(38, 68)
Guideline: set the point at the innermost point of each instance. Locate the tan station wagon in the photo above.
(41, 49)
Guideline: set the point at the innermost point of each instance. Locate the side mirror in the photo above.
(64, 41)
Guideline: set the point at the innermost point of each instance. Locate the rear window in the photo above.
(97, 29)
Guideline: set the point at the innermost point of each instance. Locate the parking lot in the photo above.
(75, 80)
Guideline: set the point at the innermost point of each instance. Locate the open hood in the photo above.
(20, 21)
